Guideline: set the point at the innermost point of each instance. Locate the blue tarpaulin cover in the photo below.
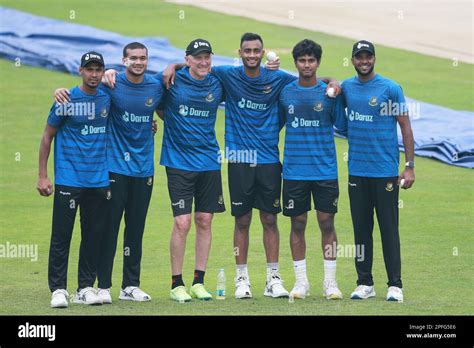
(440, 133)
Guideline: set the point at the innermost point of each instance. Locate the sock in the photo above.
(273, 266)
(198, 277)
(242, 268)
(329, 269)
(176, 280)
(300, 270)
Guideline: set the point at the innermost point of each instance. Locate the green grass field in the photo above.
(436, 220)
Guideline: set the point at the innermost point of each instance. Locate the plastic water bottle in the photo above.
(220, 289)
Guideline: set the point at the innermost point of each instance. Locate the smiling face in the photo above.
(91, 74)
(251, 53)
(364, 63)
(307, 66)
(199, 65)
(136, 61)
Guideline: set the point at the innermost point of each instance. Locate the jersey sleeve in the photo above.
(339, 116)
(399, 105)
(220, 71)
(285, 77)
(104, 88)
(55, 117)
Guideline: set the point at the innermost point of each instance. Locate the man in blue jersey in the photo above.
(190, 154)
(375, 105)
(81, 179)
(310, 165)
(252, 134)
(130, 159)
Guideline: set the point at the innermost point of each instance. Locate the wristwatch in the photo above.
(410, 164)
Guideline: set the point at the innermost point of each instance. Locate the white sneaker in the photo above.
(300, 290)
(331, 291)
(134, 293)
(87, 296)
(59, 298)
(395, 294)
(104, 295)
(274, 286)
(242, 285)
(363, 292)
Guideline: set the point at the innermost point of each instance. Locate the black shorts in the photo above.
(297, 196)
(205, 187)
(254, 187)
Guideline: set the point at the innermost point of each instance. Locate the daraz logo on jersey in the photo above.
(355, 116)
(135, 118)
(185, 110)
(92, 130)
(247, 103)
(301, 122)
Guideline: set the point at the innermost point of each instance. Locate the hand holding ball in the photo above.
(331, 92)
(271, 56)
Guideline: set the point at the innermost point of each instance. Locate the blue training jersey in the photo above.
(80, 144)
(309, 115)
(130, 138)
(189, 138)
(372, 108)
(251, 109)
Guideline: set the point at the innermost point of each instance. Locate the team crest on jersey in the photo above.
(389, 187)
(210, 97)
(276, 203)
(149, 182)
(149, 102)
(220, 200)
(318, 107)
(104, 112)
(373, 101)
(267, 89)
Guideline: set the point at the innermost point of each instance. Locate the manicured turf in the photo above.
(436, 220)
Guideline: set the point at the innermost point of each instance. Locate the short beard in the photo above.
(134, 73)
(367, 73)
(91, 87)
(252, 67)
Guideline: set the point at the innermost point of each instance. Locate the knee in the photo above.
(268, 220)
(203, 221)
(242, 223)
(326, 224)
(298, 224)
(182, 224)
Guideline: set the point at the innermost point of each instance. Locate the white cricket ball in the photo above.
(331, 92)
(402, 182)
(271, 56)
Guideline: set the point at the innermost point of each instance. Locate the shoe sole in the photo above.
(243, 297)
(133, 299)
(180, 301)
(62, 305)
(393, 299)
(333, 297)
(202, 298)
(356, 297)
(299, 297)
(273, 296)
(90, 304)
